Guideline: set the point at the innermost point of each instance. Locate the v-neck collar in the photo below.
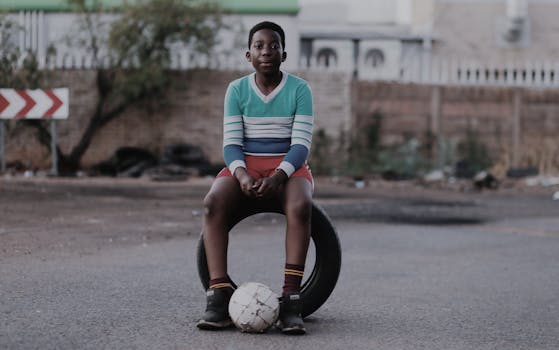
(271, 95)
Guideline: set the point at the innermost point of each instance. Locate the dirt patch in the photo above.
(84, 215)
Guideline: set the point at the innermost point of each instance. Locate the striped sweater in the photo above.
(280, 123)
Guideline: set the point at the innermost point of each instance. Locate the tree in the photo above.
(131, 57)
(138, 48)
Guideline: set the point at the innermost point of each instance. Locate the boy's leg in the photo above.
(218, 213)
(298, 206)
(219, 208)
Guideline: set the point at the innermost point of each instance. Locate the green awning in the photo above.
(288, 7)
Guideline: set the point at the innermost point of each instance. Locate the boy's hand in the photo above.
(272, 184)
(246, 182)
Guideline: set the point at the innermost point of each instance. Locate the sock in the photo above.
(292, 278)
(222, 282)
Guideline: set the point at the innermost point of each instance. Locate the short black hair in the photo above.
(267, 25)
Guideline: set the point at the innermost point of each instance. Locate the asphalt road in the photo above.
(481, 285)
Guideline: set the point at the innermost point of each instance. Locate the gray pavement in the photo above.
(489, 286)
(106, 265)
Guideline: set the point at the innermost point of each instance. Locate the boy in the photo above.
(268, 121)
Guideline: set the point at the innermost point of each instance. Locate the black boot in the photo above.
(217, 309)
(290, 320)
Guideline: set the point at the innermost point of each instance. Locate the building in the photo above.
(47, 23)
(510, 42)
(487, 42)
(372, 39)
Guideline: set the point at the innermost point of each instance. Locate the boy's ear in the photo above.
(283, 56)
(247, 55)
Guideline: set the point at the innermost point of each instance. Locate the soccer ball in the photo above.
(254, 307)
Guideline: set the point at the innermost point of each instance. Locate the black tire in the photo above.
(318, 286)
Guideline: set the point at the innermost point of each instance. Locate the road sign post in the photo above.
(54, 154)
(2, 148)
(49, 104)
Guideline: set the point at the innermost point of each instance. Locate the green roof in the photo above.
(261, 6)
(290, 7)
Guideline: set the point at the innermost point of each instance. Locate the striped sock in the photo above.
(292, 278)
(222, 282)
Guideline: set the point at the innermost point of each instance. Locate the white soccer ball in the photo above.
(254, 307)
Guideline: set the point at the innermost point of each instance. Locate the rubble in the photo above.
(484, 179)
(545, 181)
(177, 163)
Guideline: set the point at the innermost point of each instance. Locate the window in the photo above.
(326, 57)
(374, 58)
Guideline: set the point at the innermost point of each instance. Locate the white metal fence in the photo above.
(529, 74)
(454, 72)
(182, 60)
(447, 72)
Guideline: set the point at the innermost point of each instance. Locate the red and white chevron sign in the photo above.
(34, 104)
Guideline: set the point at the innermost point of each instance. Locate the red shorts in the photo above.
(265, 166)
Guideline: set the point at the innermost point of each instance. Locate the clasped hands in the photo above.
(260, 188)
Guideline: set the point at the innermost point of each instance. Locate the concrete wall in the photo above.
(192, 113)
(519, 126)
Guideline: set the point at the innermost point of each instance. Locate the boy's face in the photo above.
(266, 53)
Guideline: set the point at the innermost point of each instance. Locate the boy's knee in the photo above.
(300, 209)
(212, 204)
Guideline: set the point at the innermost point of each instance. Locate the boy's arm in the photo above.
(233, 131)
(301, 135)
(233, 134)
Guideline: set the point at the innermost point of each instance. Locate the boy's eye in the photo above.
(273, 46)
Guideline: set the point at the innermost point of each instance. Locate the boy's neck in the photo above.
(266, 83)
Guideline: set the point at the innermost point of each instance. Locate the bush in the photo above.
(364, 148)
(403, 161)
(473, 156)
(321, 160)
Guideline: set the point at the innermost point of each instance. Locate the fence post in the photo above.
(54, 154)
(435, 123)
(356, 43)
(516, 116)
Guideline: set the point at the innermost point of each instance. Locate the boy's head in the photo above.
(266, 52)
(267, 25)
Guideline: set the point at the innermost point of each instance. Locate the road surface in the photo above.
(112, 266)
